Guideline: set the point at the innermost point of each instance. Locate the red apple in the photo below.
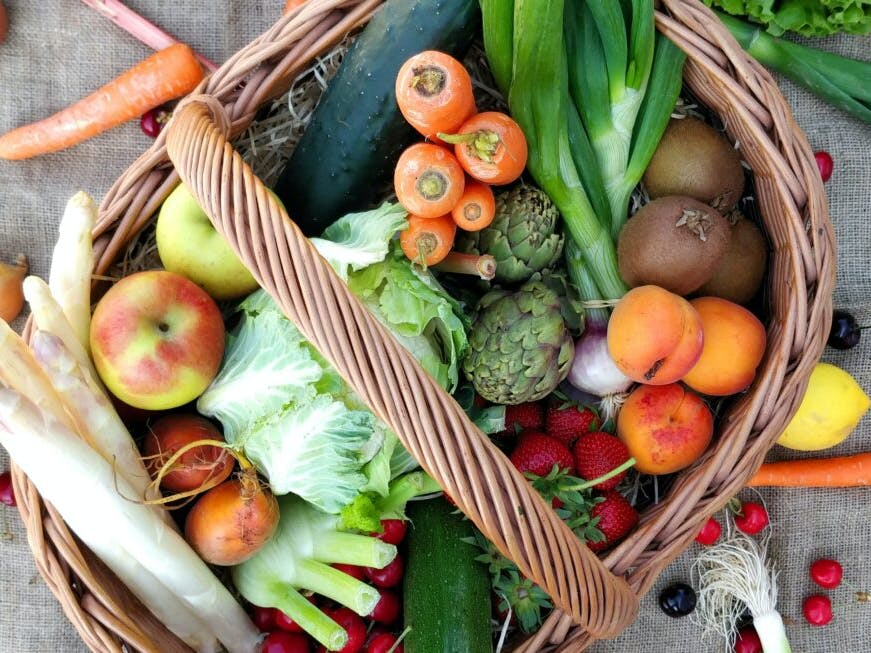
(157, 340)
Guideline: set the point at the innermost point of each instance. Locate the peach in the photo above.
(733, 348)
(654, 336)
(666, 428)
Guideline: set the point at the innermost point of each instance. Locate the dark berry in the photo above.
(152, 121)
(7, 494)
(677, 600)
(282, 642)
(845, 332)
(825, 164)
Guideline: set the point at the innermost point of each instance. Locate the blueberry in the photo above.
(845, 331)
(677, 600)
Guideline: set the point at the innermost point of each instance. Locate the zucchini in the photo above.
(446, 595)
(347, 154)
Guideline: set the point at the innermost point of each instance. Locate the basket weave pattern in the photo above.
(595, 598)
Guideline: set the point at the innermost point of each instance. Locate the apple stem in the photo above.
(167, 467)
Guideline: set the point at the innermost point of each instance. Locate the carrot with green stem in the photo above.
(846, 471)
(428, 241)
(165, 75)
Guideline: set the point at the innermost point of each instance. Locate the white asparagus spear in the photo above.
(72, 263)
(82, 486)
(49, 316)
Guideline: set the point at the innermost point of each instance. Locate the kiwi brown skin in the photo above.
(673, 242)
(739, 275)
(695, 160)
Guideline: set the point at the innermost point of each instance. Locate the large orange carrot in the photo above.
(848, 471)
(163, 76)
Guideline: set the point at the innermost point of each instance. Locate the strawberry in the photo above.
(537, 452)
(566, 421)
(523, 417)
(616, 517)
(598, 453)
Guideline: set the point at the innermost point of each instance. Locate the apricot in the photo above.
(666, 428)
(654, 336)
(733, 348)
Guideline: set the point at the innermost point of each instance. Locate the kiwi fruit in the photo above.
(673, 242)
(739, 275)
(695, 160)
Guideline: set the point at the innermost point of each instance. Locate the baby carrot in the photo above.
(428, 241)
(428, 180)
(163, 76)
(476, 208)
(491, 147)
(434, 93)
(848, 471)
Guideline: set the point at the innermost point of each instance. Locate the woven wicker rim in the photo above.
(592, 601)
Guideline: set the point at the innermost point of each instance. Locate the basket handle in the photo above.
(434, 429)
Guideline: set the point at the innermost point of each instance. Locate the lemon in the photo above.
(832, 406)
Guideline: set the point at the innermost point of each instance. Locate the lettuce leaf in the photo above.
(806, 17)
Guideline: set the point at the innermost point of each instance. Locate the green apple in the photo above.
(189, 245)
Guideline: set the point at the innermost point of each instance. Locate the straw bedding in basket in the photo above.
(594, 598)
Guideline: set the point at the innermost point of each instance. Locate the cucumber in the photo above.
(347, 154)
(446, 594)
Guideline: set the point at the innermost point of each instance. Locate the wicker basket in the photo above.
(595, 598)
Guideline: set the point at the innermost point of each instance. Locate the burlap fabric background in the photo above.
(58, 51)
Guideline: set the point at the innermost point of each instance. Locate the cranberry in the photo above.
(825, 164)
(152, 121)
(827, 573)
(282, 642)
(394, 531)
(387, 609)
(382, 643)
(353, 625)
(710, 532)
(752, 519)
(389, 576)
(264, 618)
(748, 641)
(352, 570)
(817, 609)
(7, 494)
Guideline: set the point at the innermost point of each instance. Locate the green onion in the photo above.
(844, 83)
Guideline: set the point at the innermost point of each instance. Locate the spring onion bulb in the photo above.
(593, 370)
(94, 501)
(733, 576)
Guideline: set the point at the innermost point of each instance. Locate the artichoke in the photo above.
(520, 347)
(522, 237)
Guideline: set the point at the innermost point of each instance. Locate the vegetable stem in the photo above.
(337, 585)
(483, 266)
(309, 617)
(604, 477)
(352, 549)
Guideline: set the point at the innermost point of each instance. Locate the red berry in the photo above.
(537, 453)
(827, 573)
(523, 417)
(598, 453)
(383, 642)
(394, 531)
(353, 625)
(710, 532)
(616, 518)
(390, 576)
(264, 618)
(7, 494)
(352, 570)
(752, 519)
(748, 641)
(566, 423)
(282, 642)
(825, 164)
(817, 610)
(387, 609)
(285, 623)
(152, 121)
